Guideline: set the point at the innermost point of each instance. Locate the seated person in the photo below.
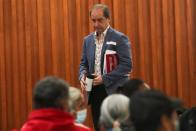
(50, 103)
(133, 85)
(115, 114)
(153, 111)
(77, 105)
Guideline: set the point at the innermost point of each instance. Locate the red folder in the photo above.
(111, 62)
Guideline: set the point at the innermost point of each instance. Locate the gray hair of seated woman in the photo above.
(114, 109)
(75, 97)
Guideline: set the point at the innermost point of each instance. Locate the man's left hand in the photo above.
(97, 80)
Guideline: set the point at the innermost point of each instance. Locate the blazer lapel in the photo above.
(92, 52)
(107, 38)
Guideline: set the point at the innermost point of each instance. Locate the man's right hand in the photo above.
(83, 83)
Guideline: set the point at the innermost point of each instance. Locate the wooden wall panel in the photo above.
(22, 63)
(182, 50)
(3, 96)
(193, 96)
(156, 42)
(169, 46)
(193, 28)
(44, 37)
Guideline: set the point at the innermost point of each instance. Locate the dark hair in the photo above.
(50, 92)
(188, 120)
(130, 87)
(105, 9)
(148, 107)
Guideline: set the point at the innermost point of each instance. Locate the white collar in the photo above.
(105, 31)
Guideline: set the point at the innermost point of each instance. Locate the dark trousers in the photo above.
(96, 96)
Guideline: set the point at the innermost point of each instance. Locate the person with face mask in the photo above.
(50, 108)
(77, 105)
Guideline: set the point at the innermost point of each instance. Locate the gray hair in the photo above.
(115, 108)
(75, 98)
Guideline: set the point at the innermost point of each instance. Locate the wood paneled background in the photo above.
(44, 37)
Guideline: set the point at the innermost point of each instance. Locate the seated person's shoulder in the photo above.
(81, 127)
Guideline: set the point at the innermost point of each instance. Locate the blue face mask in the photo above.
(177, 125)
(81, 116)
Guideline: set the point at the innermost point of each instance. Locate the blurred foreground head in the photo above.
(133, 85)
(77, 105)
(153, 111)
(51, 92)
(115, 113)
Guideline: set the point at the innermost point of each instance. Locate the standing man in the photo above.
(106, 55)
